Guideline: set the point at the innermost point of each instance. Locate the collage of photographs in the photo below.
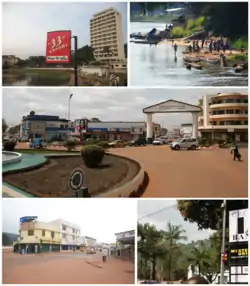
(142, 106)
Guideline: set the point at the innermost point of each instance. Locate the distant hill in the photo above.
(8, 238)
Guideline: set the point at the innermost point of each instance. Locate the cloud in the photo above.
(25, 24)
(106, 103)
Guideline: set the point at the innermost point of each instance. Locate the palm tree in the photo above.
(200, 256)
(150, 246)
(173, 235)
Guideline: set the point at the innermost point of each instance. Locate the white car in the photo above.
(158, 141)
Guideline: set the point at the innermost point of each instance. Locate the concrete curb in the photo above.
(125, 190)
(17, 158)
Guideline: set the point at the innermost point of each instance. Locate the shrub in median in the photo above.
(9, 145)
(104, 144)
(92, 155)
(70, 145)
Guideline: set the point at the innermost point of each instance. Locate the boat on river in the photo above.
(192, 59)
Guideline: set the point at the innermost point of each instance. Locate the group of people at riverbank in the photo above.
(212, 45)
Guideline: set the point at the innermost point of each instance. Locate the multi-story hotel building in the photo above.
(106, 35)
(225, 116)
(70, 234)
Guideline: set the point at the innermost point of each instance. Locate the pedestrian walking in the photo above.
(235, 151)
(104, 254)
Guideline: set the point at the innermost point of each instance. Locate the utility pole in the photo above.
(223, 242)
(70, 96)
(75, 61)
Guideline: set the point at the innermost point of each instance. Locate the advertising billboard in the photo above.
(238, 225)
(58, 47)
(83, 125)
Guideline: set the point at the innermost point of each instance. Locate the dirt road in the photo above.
(65, 268)
(200, 173)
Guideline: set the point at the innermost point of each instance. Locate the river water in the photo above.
(157, 66)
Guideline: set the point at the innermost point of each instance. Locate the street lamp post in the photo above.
(223, 242)
(70, 96)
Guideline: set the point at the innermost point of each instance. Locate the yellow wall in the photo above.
(38, 236)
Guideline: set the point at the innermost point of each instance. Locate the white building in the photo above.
(70, 234)
(88, 241)
(224, 116)
(106, 35)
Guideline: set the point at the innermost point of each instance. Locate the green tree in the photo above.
(150, 246)
(173, 235)
(94, 119)
(4, 125)
(207, 213)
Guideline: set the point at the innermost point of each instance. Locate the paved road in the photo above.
(64, 268)
(200, 173)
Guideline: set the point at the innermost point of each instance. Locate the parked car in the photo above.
(38, 143)
(185, 143)
(139, 142)
(118, 144)
(158, 141)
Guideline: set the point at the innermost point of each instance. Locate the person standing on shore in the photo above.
(175, 49)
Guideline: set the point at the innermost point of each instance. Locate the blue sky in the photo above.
(25, 25)
(170, 213)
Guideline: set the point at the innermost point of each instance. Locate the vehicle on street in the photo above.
(139, 142)
(185, 143)
(118, 144)
(158, 141)
(38, 143)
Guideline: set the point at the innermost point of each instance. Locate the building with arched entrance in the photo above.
(224, 116)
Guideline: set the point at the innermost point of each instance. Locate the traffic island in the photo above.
(115, 177)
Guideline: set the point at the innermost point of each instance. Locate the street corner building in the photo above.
(125, 245)
(36, 236)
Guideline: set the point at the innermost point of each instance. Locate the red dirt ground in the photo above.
(61, 268)
(200, 173)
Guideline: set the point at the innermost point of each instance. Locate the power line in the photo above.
(166, 208)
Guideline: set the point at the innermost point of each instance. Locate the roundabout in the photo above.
(58, 174)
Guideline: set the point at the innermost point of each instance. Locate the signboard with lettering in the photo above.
(238, 225)
(58, 47)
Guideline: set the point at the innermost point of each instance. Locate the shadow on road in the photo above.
(139, 193)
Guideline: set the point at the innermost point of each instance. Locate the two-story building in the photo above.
(36, 236)
(125, 243)
(70, 234)
(45, 126)
(88, 241)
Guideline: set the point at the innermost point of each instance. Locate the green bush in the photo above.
(179, 32)
(240, 43)
(9, 145)
(70, 145)
(92, 155)
(103, 144)
(238, 57)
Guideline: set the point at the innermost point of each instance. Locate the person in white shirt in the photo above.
(104, 254)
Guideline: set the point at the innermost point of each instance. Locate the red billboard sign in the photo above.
(58, 47)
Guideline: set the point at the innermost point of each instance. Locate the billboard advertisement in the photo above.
(83, 125)
(238, 225)
(58, 47)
